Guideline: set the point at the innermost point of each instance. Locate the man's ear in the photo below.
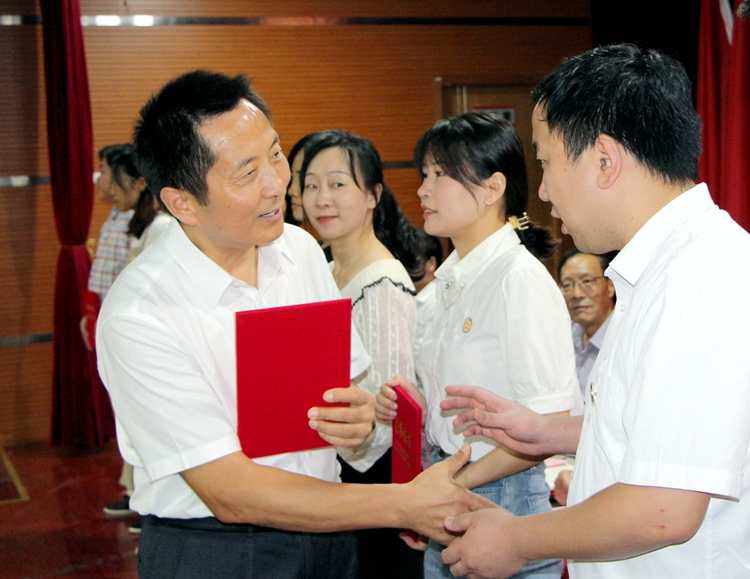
(610, 288)
(180, 204)
(495, 188)
(609, 156)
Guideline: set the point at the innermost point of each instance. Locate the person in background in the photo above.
(166, 353)
(590, 297)
(111, 256)
(148, 222)
(372, 244)
(294, 213)
(112, 247)
(662, 480)
(431, 255)
(499, 319)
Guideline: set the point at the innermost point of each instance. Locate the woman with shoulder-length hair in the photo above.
(499, 320)
(373, 247)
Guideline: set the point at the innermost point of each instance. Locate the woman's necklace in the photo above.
(451, 292)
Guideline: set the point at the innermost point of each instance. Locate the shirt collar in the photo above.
(208, 276)
(632, 260)
(595, 341)
(469, 267)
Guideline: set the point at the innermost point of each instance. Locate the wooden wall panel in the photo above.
(25, 393)
(29, 247)
(373, 80)
(23, 138)
(376, 80)
(343, 8)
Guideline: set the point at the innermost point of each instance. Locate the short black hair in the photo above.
(639, 97)
(603, 260)
(169, 149)
(470, 148)
(390, 224)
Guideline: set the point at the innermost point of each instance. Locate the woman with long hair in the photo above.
(499, 320)
(373, 246)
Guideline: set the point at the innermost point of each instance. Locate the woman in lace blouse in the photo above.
(373, 246)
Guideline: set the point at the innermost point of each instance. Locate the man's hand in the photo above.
(485, 548)
(512, 425)
(347, 426)
(434, 495)
(386, 407)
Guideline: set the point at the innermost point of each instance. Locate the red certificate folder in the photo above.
(287, 357)
(406, 457)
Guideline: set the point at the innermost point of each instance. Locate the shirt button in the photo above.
(622, 307)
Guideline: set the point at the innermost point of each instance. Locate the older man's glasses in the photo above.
(587, 284)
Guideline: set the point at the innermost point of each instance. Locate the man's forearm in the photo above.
(563, 434)
(498, 464)
(237, 490)
(618, 522)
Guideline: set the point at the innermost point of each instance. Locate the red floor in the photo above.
(61, 530)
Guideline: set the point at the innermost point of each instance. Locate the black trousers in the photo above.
(207, 548)
(382, 553)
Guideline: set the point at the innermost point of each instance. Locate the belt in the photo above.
(207, 524)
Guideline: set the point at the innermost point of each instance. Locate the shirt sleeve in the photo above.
(171, 416)
(386, 318)
(689, 396)
(537, 343)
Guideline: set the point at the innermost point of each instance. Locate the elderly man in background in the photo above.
(590, 297)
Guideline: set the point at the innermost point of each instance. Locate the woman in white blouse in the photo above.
(373, 245)
(499, 320)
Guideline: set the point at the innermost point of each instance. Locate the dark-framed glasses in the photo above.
(587, 284)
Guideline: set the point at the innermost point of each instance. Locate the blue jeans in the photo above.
(524, 493)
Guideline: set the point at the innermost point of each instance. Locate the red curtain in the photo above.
(723, 100)
(81, 412)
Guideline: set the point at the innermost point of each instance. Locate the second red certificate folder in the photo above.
(406, 458)
(287, 357)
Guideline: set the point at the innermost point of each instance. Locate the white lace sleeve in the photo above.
(385, 317)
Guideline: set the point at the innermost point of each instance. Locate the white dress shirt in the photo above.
(501, 323)
(669, 396)
(166, 351)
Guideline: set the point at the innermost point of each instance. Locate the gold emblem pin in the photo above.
(467, 325)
